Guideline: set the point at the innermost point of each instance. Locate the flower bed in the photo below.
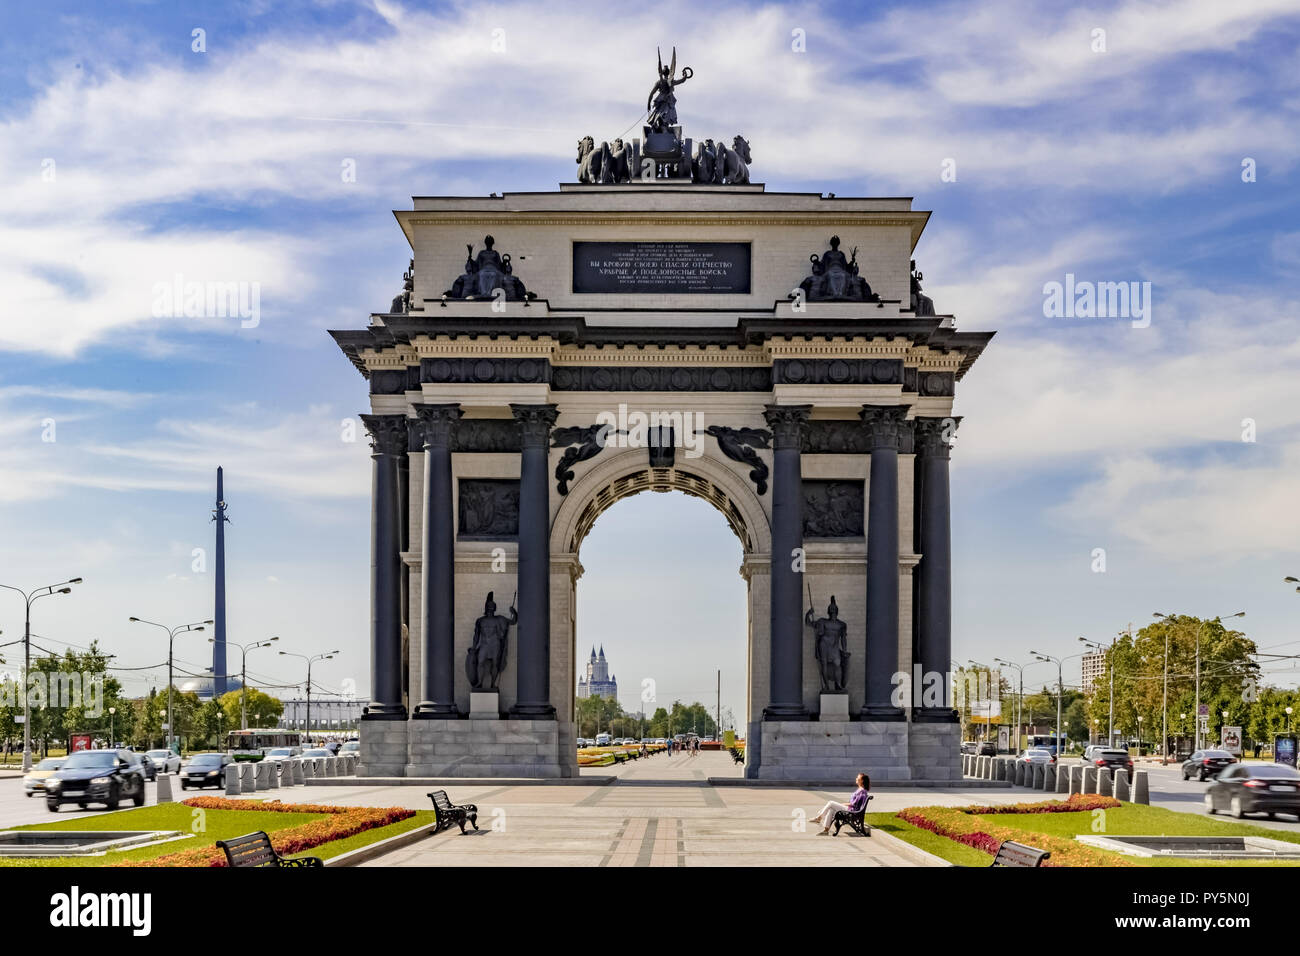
(961, 825)
(339, 824)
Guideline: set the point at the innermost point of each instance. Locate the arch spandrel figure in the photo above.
(487, 654)
(832, 648)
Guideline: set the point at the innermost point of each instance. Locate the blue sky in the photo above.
(1115, 165)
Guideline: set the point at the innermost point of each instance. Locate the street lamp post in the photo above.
(310, 661)
(1139, 735)
(29, 597)
(1060, 689)
(1200, 629)
(243, 675)
(171, 640)
(1288, 720)
(111, 712)
(988, 710)
(1020, 698)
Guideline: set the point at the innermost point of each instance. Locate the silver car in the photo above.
(1036, 755)
(165, 760)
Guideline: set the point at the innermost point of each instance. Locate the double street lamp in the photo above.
(1020, 697)
(171, 640)
(1060, 689)
(29, 597)
(1169, 618)
(310, 660)
(243, 675)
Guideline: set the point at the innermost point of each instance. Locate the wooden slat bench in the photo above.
(255, 850)
(858, 821)
(1011, 853)
(448, 813)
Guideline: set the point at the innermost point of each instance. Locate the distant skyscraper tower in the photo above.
(598, 682)
(219, 615)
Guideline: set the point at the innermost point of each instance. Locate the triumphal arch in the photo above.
(664, 323)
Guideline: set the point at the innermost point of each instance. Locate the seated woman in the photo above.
(857, 803)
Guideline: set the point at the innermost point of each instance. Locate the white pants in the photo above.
(826, 815)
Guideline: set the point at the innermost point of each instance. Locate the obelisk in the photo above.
(219, 614)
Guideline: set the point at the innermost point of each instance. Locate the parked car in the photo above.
(987, 748)
(1255, 788)
(205, 770)
(96, 776)
(1203, 764)
(1114, 759)
(34, 782)
(1037, 755)
(352, 747)
(333, 747)
(168, 761)
(968, 746)
(280, 755)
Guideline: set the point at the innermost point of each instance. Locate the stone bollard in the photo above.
(1035, 782)
(1104, 785)
(232, 780)
(164, 788)
(1000, 768)
(247, 778)
(1089, 780)
(1063, 772)
(1140, 794)
(966, 769)
(262, 775)
(352, 764)
(1076, 779)
(1049, 777)
(1018, 777)
(308, 765)
(273, 777)
(296, 767)
(1121, 785)
(986, 768)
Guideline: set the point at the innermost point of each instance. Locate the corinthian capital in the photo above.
(788, 423)
(934, 436)
(387, 433)
(437, 422)
(535, 423)
(885, 424)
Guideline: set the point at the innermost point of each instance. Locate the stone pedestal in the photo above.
(484, 705)
(383, 748)
(834, 707)
(489, 747)
(829, 751)
(933, 751)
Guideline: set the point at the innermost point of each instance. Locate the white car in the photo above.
(165, 760)
(1037, 755)
(280, 755)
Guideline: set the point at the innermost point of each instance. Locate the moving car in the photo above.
(1255, 788)
(968, 746)
(1114, 759)
(318, 752)
(168, 761)
(1206, 763)
(280, 755)
(987, 748)
(351, 747)
(96, 776)
(34, 782)
(602, 740)
(1037, 755)
(205, 770)
(150, 768)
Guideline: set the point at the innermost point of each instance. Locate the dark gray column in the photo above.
(885, 425)
(438, 571)
(788, 423)
(934, 583)
(533, 697)
(388, 441)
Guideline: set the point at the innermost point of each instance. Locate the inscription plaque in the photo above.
(703, 268)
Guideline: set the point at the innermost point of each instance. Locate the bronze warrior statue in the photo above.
(487, 655)
(832, 648)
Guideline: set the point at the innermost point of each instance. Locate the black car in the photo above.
(97, 776)
(1114, 759)
(987, 748)
(205, 770)
(1204, 764)
(1255, 788)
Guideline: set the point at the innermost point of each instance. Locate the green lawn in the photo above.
(219, 825)
(1128, 820)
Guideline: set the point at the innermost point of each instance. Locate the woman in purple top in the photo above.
(856, 804)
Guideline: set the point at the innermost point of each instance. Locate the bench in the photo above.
(448, 813)
(1011, 853)
(255, 850)
(856, 820)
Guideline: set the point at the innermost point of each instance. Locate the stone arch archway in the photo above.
(628, 473)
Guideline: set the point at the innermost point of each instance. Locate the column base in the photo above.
(786, 712)
(882, 713)
(533, 712)
(428, 710)
(384, 712)
(934, 715)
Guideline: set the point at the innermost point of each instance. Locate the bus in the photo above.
(256, 744)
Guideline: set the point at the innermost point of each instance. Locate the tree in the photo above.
(263, 709)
